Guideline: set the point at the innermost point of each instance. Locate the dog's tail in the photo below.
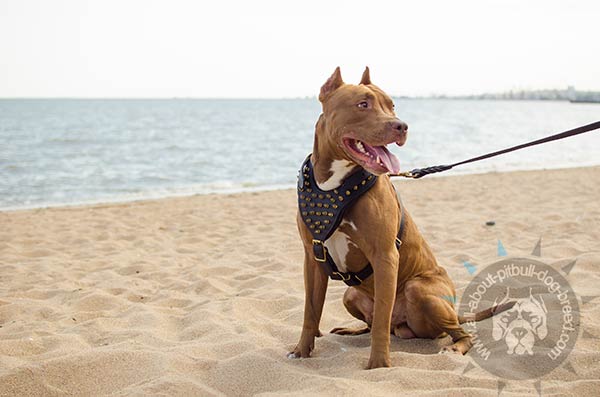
(487, 313)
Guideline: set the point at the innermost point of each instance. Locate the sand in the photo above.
(204, 295)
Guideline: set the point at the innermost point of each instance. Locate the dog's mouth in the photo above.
(376, 159)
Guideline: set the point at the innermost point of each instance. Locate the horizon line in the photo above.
(432, 95)
(481, 95)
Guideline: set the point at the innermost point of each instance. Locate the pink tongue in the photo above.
(390, 161)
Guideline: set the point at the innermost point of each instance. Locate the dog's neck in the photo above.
(329, 168)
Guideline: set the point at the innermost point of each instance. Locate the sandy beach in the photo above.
(204, 295)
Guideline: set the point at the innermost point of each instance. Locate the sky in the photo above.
(273, 49)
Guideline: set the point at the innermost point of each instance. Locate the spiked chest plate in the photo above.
(323, 210)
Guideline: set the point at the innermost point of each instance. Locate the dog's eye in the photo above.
(363, 104)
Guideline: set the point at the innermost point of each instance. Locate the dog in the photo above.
(520, 325)
(408, 294)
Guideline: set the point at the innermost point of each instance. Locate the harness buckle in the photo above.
(317, 243)
(398, 241)
(345, 277)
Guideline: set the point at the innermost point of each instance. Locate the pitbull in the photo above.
(408, 294)
(520, 325)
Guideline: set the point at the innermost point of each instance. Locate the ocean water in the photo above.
(70, 151)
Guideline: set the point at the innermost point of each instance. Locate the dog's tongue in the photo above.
(390, 161)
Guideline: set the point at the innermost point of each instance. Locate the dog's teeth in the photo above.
(360, 147)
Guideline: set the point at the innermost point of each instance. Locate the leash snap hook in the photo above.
(407, 174)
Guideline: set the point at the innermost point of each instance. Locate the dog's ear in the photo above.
(542, 329)
(498, 328)
(333, 83)
(366, 77)
(538, 302)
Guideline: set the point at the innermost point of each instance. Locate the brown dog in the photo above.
(408, 293)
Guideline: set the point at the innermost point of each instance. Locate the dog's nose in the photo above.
(519, 332)
(399, 125)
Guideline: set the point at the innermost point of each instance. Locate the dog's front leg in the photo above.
(385, 271)
(315, 287)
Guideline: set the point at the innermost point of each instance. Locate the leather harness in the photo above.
(323, 210)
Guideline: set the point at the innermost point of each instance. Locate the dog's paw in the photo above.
(301, 351)
(379, 362)
(295, 354)
(350, 331)
(452, 349)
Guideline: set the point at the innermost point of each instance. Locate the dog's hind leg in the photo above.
(430, 314)
(403, 331)
(361, 307)
(462, 341)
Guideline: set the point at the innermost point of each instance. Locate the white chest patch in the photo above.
(339, 170)
(338, 246)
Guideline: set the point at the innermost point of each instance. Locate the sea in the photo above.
(56, 152)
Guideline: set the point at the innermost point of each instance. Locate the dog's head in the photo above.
(521, 324)
(358, 121)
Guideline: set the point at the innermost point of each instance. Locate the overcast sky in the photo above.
(259, 48)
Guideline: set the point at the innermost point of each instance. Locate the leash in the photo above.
(421, 172)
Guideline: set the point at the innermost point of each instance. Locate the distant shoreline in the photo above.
(415, 98)
(153, 196)
(569, 95)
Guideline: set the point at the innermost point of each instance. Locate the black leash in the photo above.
(421, 172)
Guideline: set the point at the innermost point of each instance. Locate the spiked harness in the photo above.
(323, 210)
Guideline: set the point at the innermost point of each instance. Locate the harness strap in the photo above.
(323, 211)
(350, 278)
